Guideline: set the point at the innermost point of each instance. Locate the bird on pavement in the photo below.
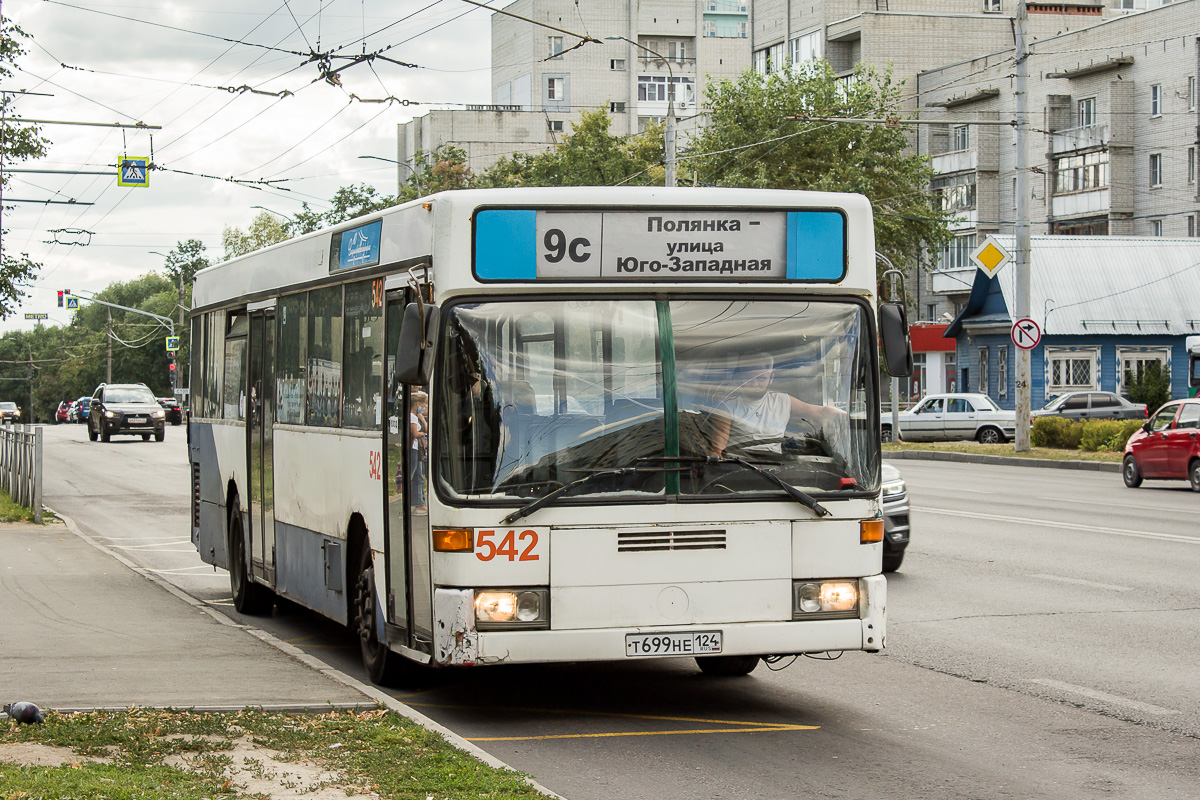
(25, 712)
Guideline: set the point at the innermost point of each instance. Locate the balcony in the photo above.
(956, 161)
(1080, 138)
(1078, 203)
(956, 280)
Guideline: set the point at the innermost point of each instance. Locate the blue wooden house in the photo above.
(1104, 304)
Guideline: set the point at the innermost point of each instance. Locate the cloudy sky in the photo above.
(172, 63)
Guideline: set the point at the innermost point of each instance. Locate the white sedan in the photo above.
(954, 417)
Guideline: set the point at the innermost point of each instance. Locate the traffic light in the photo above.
(171, 369)
(60, 295)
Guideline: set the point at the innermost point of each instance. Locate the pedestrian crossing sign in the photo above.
(72, 302)
(133, 171)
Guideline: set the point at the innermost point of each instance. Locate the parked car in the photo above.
(1167, 447)
(953, 417)
(79, 409)
(9, 412)
(895, 518)
(63, 412)
(173, 409)
(1091, 405)
(125, 408)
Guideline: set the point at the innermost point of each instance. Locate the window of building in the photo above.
(653, 89)
(983, 370)
(291, 361)
(1191, 93)
(1002, 371)
(1127, 5)
(1191, 225)
(806, 47)
(1014, 191)
(992, 6)
(362, 399)
(1087, 112)
(616, 107)
(1191, 165)
(554, 125)
(957, 254)
(556, 88)
(742, 29)
(1156, 227)
(677, 50)
(710, 28)
(1071, 370)
(1156, 176)
(960, 137)
(556, 45)
(1156, 100)
(1081, 173)
(1092, 226)
(616, 64)
(323, 394)
(956, 192)
(1131, 361)
(930, 311)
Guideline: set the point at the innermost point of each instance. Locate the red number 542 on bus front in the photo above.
(511, 544)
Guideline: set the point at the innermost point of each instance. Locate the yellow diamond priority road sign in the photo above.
(990, 256)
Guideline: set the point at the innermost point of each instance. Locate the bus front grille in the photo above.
(646, 541)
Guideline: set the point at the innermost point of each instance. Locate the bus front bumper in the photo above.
(459, 644)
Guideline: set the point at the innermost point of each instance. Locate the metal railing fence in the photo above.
(21, 465)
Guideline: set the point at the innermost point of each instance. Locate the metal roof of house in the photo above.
(1109, 284)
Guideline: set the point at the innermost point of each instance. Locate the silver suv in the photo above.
(125, 408)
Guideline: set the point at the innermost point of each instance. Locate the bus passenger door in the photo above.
(407, 545)
(259, 424)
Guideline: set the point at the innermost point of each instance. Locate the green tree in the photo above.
(588, 156)
(443, 170)
(265, 230)
(18, 142)
(347, 203)
(184, 261)
(759, 136)
(1150, 385)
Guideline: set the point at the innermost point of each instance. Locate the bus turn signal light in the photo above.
(453, 540)
(870, 531)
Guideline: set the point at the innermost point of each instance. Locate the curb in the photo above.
(1008, 461)
(379, 697)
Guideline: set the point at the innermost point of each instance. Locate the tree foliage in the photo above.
(760, 136)
(184, 261)
(265, 230)
(1150, 385)
(588, 156)
(18, 142)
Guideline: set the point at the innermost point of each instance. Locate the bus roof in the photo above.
(404, 236)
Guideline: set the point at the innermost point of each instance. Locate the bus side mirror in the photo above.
(893, 330)
(414, 351)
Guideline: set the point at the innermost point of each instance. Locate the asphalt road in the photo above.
(1042, 641)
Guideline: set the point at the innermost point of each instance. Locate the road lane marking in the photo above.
(1104, 697)
(1122, 506)
(745, 727)
(1082, 582)
(1165, 537)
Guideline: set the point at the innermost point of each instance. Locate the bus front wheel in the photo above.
(727, 666)
(249, 597)
(383, 666)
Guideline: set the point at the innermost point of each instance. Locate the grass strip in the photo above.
(11, 511)
(374, 753)
(975, 448)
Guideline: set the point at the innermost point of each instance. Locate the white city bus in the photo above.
(534, 425)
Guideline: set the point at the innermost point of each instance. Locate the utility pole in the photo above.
(31, 419)
(1021, 264)
(109, 334)
(669, 128)
(179, 384)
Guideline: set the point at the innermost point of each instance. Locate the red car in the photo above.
(1167, 447)
(62, 413)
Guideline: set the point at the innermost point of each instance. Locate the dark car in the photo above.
(1091, 405)
(9, 412)
(1167, 447)
(173, 409)
(125, 408)
(63, 412)
(895, 518)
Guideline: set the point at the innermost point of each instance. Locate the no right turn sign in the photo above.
(1026, 334)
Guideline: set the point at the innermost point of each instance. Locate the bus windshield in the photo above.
(669, 396)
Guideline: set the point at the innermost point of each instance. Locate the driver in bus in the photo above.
(754, 417)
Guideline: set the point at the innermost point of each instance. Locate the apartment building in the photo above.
(652, 55)
(1112, 144)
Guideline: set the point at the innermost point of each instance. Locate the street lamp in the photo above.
(272, 211)
(669, 129)
(416, 175)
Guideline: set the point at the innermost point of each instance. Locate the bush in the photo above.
(1151, 385)
(1108, 434)
(1057, 432)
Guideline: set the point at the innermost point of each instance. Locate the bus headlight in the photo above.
(824, 599)
(507, 609)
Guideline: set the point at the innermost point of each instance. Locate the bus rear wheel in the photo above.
(727, 666)
(383, 666)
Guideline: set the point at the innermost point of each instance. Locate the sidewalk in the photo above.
(81, 630)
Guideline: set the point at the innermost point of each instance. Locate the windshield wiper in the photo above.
(803, 498)
(529, 508)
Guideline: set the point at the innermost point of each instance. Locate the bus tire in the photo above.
(249, 598)
(383, 666)
(727, 666)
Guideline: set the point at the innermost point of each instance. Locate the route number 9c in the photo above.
(557, 247)
(488, 549)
